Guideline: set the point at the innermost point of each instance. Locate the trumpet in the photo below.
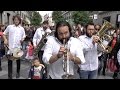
(66, 68)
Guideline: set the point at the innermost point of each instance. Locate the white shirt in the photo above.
(38, 35)
(118, 56)
(37, 70)
(16, 34)
(90, 54)
(55, 70)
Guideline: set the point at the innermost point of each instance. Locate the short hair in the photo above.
(98, 25)
(1, 25)
(17, 16)
(60, 24)
(45, 22)
(86, 26)
(36, 58)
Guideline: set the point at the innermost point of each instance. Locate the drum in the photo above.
(15, 54)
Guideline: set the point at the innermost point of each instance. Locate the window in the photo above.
(107, 18)
(8, 16)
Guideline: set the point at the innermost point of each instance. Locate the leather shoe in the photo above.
(17, 75)
(10, 76)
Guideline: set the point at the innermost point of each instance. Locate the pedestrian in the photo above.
(37, 70)
(30, 48)
(2, 48)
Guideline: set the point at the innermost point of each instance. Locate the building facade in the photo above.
(68, 16)
(112, 16)
(6, 16)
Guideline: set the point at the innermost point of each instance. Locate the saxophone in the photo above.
(42, 43)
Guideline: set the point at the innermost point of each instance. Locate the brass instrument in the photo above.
(66, 68)
(41, 43)
(104, 38)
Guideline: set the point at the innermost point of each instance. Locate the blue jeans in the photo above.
(88, 74)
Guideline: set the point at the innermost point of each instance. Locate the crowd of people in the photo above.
(67, 51)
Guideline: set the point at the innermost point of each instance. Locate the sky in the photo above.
(45, 12)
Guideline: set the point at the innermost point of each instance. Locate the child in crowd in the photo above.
(37, 70)
(30, 48)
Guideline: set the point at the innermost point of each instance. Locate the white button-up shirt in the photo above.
(16, 34)
(55, 70)
(38, 35)
(90, 54)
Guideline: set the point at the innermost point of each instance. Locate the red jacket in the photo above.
(30, 50)
(114, 42)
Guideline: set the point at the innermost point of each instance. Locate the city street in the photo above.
(25, 65)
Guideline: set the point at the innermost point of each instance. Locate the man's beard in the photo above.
(66, 40)
(44, 28)
(88, 35)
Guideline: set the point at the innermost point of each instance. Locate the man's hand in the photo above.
(61, 52)
(95, 39)
(5, 42)
(69, 56)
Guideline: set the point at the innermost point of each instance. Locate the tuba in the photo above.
(104, 37)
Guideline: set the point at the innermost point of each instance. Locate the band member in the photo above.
(88, 70)
(38, 36)
(54, 50)
(16, 35)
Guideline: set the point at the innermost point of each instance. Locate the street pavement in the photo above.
(25, 66)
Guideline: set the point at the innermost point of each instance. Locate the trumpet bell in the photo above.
(68, 76)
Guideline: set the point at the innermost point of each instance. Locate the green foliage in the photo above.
(57, 16)
(36, 19)
(81, 17)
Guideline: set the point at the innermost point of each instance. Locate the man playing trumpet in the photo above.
(54, 53)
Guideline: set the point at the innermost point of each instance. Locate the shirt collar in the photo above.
(60, 42)
(16, 26)
(87, 37)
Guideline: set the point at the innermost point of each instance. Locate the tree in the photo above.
(81, 17)
(57, 16)
(36, 19)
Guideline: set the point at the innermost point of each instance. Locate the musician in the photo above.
(16, 35)
(89, 69)
(38, 36)
(54, 51)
